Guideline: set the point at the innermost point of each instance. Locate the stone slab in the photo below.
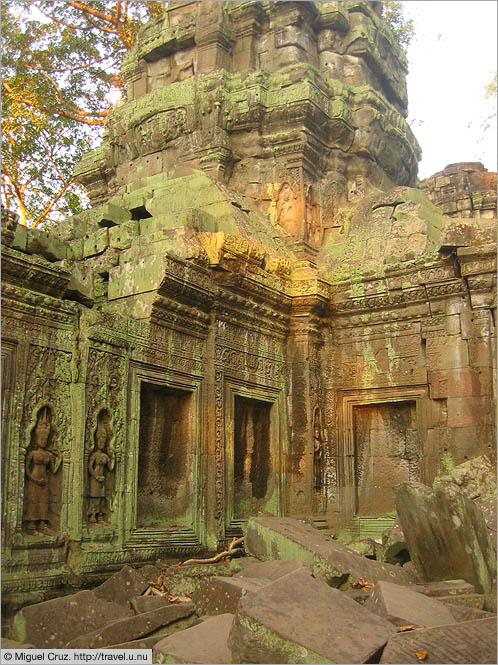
(475, 600)
(151, 640)
(269, 570)
(12, 644)
(469, 642)
(205, 643)
(184, 580)
(121, 587)
(142, 604)
(445, 588)
(285, 538)
(300, 619)
(238, 564)
(221, 595)
(131, 628)
(404, 607)
(53, 623)
(463, 613)
(446, 534)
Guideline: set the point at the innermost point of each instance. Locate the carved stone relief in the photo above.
(100, 467)
(41, 465)
(318, 451)
(288, 210)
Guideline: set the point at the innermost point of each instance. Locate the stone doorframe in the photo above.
(347, 401)
(160, 538)
(278, 446)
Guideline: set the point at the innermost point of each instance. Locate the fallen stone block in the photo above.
(151, 640)
(53, 623)
(288, 539)
(269, 570)
(404, 607)
(131, 628)
(488, 509)
(142, 604)
(359, 595)
(205, 643)
(12, 644)
(394, 545)
(238, 564)
(300, 619)
(121, 587)
(476, 478)
(475, 600)
(221, 595)
(444, 588)
(446, 535)
(184, 580)
(462, 613)
(469, 642)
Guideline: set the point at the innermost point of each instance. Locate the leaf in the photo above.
(421, 655)
(363, 584)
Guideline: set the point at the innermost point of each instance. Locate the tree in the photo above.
(403, 29)
(61, 58)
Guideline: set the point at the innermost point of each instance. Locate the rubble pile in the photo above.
(299, 596)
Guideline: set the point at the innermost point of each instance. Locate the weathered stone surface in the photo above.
(446, 535)
(134, 627)
(464, 613)
(151, 640)
(12, 644)
(476, 600)
(239, 564)
(404, 607)
(184, 580)
(269, 570)
(221, 595)
(394, 545)
(469, 642)
(288, 539)
(122, 586)
(300, 619)
(269, 313)
(444, 588)
(488, 509)
(205, 643)
(147, 603)
(53, 623)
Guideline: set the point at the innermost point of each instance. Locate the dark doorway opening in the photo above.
(253, 462)
(165, 491)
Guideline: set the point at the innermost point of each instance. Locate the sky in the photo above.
(452, 57)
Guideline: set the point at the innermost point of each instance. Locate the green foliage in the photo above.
(60, 60)
(490, 89)
(402, 28)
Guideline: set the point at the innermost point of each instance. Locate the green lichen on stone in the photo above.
(282, 649)
(445, 469)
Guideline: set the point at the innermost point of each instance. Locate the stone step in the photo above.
(368, 527)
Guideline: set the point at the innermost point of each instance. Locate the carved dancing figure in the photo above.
(40, 463)
(287, 210)
(98, 463)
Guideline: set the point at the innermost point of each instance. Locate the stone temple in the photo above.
(264, 310)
